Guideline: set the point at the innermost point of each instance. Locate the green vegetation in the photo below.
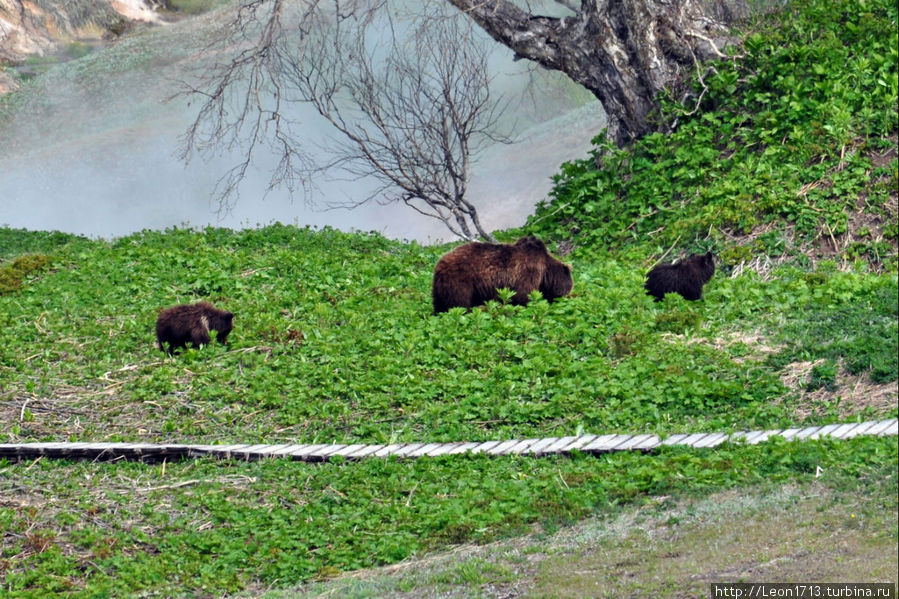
(209, 528)
(664, 547)
(787, 140)
(334, 341)
(193, 7)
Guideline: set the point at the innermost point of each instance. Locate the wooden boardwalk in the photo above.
(594, 444)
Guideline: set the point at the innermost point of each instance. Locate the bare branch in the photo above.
(408, 101)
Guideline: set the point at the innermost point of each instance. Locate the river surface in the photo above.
(93, 149)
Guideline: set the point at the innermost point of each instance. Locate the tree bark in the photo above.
(624, 51)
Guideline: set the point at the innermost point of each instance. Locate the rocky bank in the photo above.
(32, 30)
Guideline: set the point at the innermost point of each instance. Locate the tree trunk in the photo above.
(624, 51)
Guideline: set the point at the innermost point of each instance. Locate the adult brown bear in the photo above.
(470, 274)
(685, 277)
(190, 323)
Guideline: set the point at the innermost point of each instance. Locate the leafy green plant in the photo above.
(823, 375)
(781, 133)
(335, 342)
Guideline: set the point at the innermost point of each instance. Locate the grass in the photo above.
(207, 528)
(830, 528)
(791, 136)
(334, 341)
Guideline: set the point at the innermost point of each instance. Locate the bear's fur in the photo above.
(190, 323)
(685, 277)
(470, 274)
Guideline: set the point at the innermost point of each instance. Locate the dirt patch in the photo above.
(849, 395)
(867, 234)
(757, 345)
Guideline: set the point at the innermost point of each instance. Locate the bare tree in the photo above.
(410, 108)
(626, 52)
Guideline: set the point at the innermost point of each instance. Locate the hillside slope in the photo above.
(335, 342)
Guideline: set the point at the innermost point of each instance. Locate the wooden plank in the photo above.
(102, 450)
(388, 450)
(462, 448)
(840, 430)
(365, 451)
(807, 432)
(711, 440)
(541, 444)
(483, 447)
(286, 450)
(270, 450)
(407, 449)
(858, 429)
(579, 442)
(348, 449)
(142, 451)
(606, 443)
(764, 436)
(691, 439)
(789, 433)
(503, 447)
(423, 450)
(651, 442)
(201, 451)
(323, 453)
(303, 452)
(295, 451)
(892, 429)
(880, 427)
(630, 442)
(251, 452)
(756, 437)
(824, 431)
(674, 439)
(442, 449)
(226, 451)
(521, 446)
(559, 445)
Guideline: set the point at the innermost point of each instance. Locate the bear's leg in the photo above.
(199, 336)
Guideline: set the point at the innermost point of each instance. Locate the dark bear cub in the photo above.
(685, 277)
(470, 274)
(190, 323)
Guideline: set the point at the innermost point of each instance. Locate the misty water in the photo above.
(91, 146)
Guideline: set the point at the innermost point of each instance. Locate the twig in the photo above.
(183, 483)
(662, 257)
(30, 466)
(411, 493)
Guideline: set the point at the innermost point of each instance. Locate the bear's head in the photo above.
(557, 281)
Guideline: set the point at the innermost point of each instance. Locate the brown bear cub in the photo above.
(685, 277)
(470, 274)
(190, 323)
